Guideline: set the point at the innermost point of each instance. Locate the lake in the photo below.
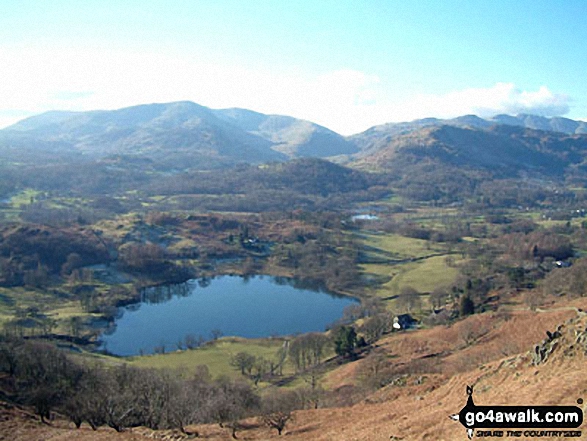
(253, 307)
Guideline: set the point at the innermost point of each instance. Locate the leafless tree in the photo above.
(215, 334)
(438, 297)
(119, 404)
(261, 367)
(192, 341)
(374, 371)
(190, 403)
(231, 402)
(243, 361)
(374, 327)
(409, 299)
(311, 394)
(307, 350)
(277, 408)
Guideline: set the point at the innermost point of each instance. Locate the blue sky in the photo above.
(345, 64)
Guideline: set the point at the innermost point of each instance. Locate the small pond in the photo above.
(252, 307)
(357, 217)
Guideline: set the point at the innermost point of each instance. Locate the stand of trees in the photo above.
(149, 259)
(30, 254)
(44, 378)
(308, 350)
(330, 257)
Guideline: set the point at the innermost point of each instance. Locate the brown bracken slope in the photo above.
(492, 352)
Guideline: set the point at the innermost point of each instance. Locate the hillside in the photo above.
(173, 136)
(431, 368)
(418, 406)
(177, 136)
(504, 151)
(182, 135)
(304, 183)
(555, 124)
(371, 138)
(291, 136)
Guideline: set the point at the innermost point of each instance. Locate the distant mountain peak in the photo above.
(290, 136)
(372, 136)
(201, 136)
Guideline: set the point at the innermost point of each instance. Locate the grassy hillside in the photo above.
(402, 262)
(216, 355)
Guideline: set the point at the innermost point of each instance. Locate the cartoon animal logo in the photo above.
(469, 407)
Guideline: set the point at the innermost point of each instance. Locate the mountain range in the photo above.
(370, 138)
(501, 149)
(183, 135)
(179, 135)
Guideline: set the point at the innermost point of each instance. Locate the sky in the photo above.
(347, 65)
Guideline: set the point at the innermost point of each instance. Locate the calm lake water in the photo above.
(259, 306)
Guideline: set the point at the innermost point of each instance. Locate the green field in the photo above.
(398, 247)
(61, 311)
(23, 198)
(422, 264)
(423, 275)
(215, 355)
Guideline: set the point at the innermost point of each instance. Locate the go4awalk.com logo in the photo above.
(520, 421)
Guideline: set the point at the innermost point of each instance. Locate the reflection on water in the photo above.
(256, 306)
(160, 294)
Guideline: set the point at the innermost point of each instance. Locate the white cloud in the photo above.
(35, 81)
(347, 101)
(501, 98)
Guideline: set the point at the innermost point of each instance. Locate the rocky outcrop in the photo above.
(546, 347)
(571, 336)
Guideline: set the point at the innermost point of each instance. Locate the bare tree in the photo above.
(307, 350)
(46, 376)
(277, 408)
(409, 300)
(119, 403)
(374, 327)
(122, 396)
(215, 334)
(192, 341)
(152, 392)
(231, 402)
(313, 393)
(438, 297)
(470, 331)
(374, 371)
(533, 299)
(10, 349)
(318, 344)
(83, 403)
(244, 361)
(190, 403)
(262, 367)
